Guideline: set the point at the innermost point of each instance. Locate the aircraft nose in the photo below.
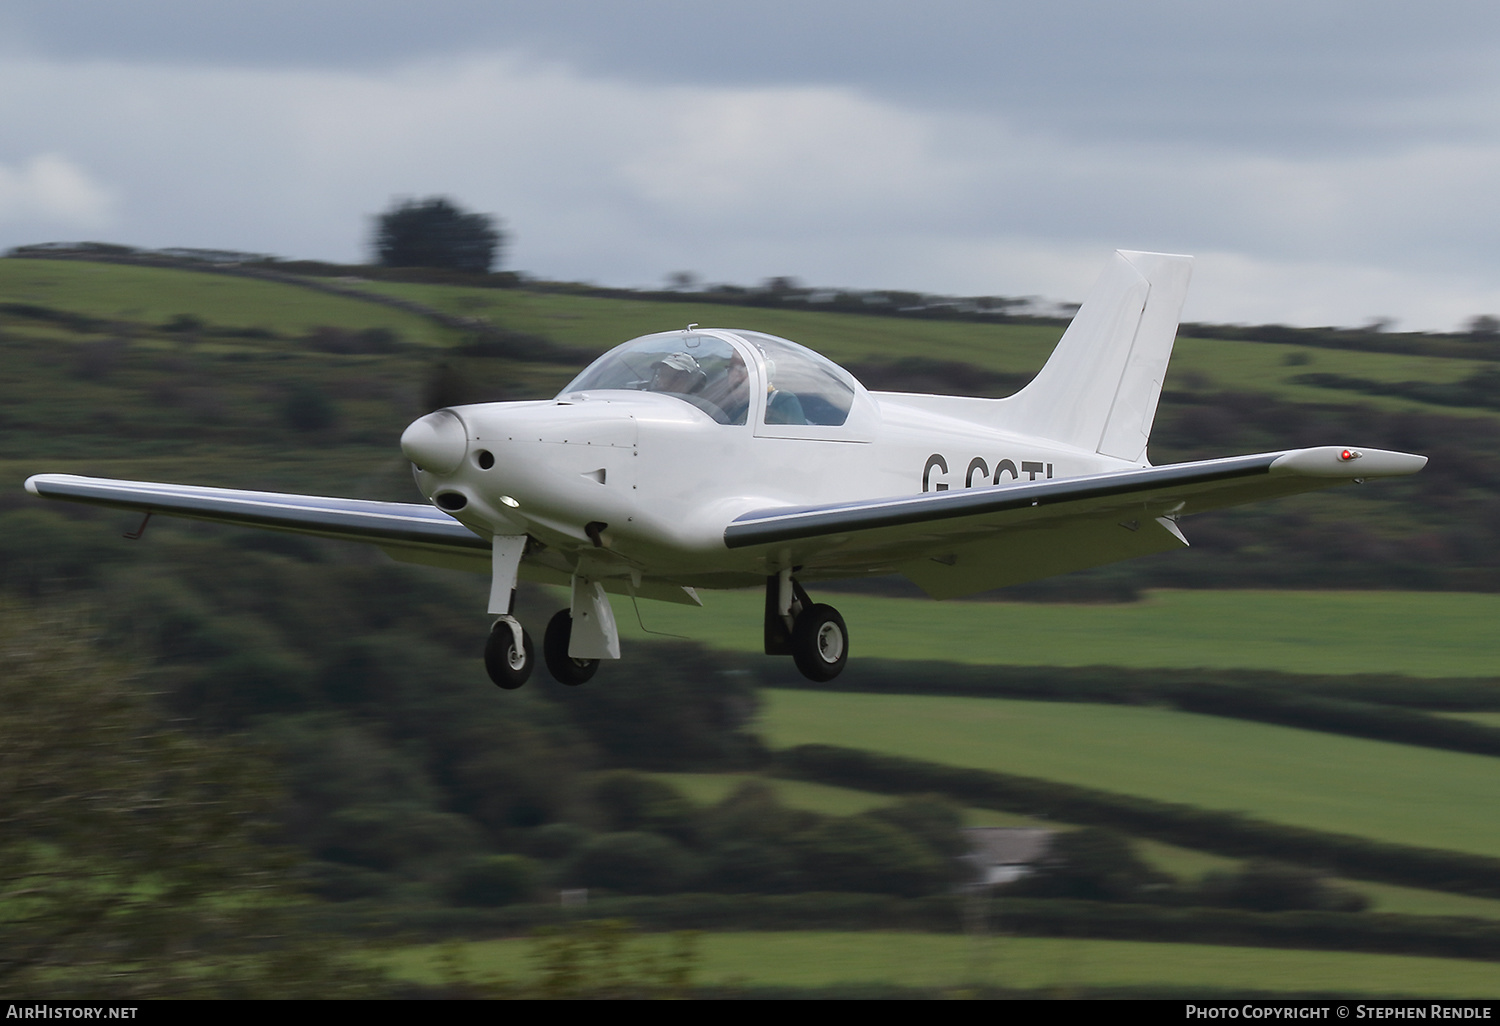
(436, 442)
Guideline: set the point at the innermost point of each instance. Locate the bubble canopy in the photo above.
(708, 371)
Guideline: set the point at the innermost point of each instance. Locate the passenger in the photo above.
(677, 372)
(781, 407)
(731, 393)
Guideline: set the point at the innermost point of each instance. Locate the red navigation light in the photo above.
(1348, 454)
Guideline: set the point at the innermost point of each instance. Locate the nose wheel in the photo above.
(509, 655)
(565, 669)
(820, 643)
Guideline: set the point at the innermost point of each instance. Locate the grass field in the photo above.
(710, 788)
(1390, 792)
(1424, 634)
(812, 959)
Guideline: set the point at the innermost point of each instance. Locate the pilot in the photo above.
(677, 372)
(781, 407)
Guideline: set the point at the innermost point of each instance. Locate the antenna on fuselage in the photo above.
(690, 327)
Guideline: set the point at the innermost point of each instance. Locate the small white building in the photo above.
(1002, 855)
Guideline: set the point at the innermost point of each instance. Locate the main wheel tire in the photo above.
(508, 668)
(820, 643)
(564, 668)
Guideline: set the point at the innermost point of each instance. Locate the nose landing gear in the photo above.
(509, 655)
(572, 656)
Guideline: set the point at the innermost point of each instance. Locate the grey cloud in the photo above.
(891, 175)
(1276, 75)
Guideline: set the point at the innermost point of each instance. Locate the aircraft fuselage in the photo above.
(665, 477)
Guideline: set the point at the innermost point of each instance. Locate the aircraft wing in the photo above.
(964, 541)
(406, 531)
(399, 525)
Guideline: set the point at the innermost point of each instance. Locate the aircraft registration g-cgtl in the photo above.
(713, 458)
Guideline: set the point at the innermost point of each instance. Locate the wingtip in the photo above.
(1348, 462)
(36, 482)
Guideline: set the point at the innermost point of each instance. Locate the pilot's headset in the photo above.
(684, 364)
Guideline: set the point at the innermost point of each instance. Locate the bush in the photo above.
(307, 408)
(1090, 865)
(861, 853)
(932, 819)
(336, 881)
(493, 881)
(632, 863)
(555, 840)
(633, 801)
(753, 867)
(1265, 886)
(389, 837)
(669, 707)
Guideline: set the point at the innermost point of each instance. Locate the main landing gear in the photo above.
(564, 668)
(811, 633)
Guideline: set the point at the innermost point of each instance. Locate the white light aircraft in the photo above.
(712, 458)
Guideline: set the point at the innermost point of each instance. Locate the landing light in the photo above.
(508, 501)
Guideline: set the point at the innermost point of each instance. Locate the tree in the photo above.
(132, 861)
(1485, 326)
(436, 233)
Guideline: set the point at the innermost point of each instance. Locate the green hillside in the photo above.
(1183, 863)
(155, 295)
(1397, 793)
(403, 769)
(152, 295)
(1197, 364)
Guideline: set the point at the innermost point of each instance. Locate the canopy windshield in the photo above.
(701, 370)
(802, 386)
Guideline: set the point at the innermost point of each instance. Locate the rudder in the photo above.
(1100, 387)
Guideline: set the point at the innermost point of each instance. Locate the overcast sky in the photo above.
(1327, 162)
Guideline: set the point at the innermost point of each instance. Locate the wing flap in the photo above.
(1030, 554)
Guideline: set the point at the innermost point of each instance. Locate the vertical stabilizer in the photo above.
(1100, 387)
